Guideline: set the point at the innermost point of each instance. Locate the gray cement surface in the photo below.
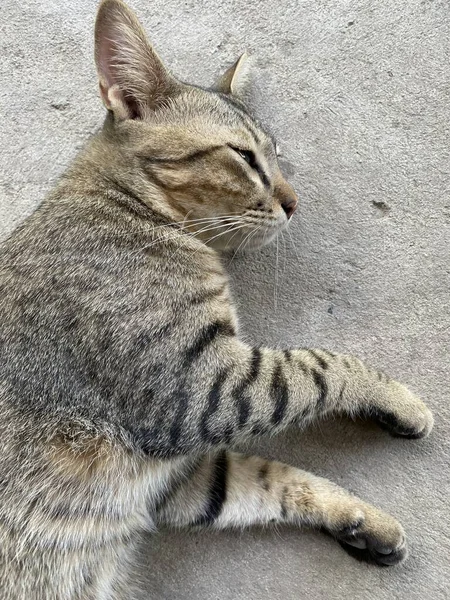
(358, 93)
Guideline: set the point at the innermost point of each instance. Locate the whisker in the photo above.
(293, 243)
(243, 241)
(204, 219)
(275, 291)
(233, 236)
(249, 239)
(236, 224)
(186, 216)
(240, 226)
(215, 226)
(237, 250)
(174, 236)
(190, 222)
(285, 251)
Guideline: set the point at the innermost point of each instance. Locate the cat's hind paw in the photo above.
(376, 538)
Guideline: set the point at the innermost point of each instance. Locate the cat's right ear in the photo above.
(236, 80)
(132, 78)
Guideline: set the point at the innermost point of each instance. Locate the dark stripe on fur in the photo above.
(187, 158)
(322, 363)
(328, 353)
(244, 410)
(299, 364)
(206, 337)
(288, 356)
(181, 396)
(183, 474)
(259, 429)
(263, 477)
(213, 404)
(243, 401)
(341, 393)
(279, 392)
(138, 207)
(217, 492)
(304, 415)
(207, 295)
(347, 364)
(183, 401)
(255, 365)
(284, 510)
(263, 175)
(320, 382)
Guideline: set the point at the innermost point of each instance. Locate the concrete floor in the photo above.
(357, 92)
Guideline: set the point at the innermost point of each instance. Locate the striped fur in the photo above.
(123, 382)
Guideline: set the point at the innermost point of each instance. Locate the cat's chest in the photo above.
(182, 290)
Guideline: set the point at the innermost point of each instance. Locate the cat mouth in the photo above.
(252, 238)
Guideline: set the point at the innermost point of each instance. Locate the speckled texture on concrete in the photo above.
(358, 94)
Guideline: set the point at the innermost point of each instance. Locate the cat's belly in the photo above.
(76, 525)
(66, 500)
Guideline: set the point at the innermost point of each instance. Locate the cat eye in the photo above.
(250, 159)
(248, 156)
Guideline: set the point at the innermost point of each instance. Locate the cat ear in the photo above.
(235, 81)
(132, 78)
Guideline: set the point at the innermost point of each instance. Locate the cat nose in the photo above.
(289, 206)
(286, 196)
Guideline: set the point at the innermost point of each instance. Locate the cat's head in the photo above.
(199, 149)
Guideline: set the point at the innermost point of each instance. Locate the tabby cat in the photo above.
(123, 382)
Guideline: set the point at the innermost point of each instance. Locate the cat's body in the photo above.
(122, 379)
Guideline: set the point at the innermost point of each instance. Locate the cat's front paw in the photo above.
(400, 412)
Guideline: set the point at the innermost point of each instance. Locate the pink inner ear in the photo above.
(105, 58)
(114, 98)
(132, 78)
(104, 94)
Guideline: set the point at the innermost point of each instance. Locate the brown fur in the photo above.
(123, 383)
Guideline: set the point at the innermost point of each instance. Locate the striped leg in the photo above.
(232, 490)
(228, 392)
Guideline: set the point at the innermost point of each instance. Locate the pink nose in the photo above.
(286, 196)
(289, 205)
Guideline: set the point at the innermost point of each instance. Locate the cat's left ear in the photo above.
(236, 80)
(132, 77)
